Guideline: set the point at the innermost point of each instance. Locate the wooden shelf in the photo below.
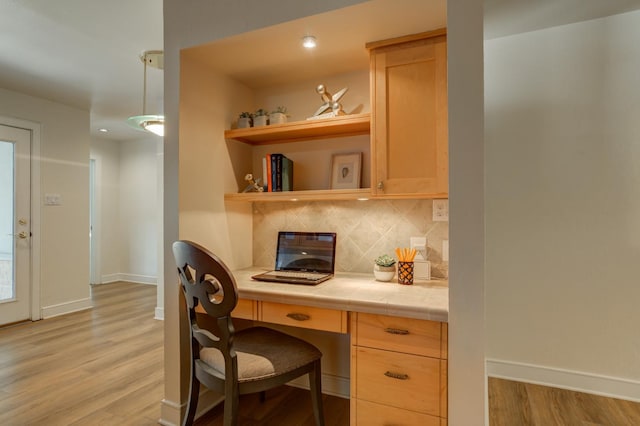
(311, 195)
(324, 195)
(346, 125)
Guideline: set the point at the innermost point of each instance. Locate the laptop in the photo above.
(302, 258)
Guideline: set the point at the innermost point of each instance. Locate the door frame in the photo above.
(36, 220)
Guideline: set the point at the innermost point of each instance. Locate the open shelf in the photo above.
(311, 195)
(341, 126)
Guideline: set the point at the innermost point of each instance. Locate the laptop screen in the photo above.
(306, 251)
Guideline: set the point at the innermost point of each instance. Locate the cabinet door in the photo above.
(409, 124)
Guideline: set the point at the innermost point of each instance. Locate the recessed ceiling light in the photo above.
(309, 42)
(103, 130)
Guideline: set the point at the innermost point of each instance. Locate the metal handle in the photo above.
(299, 317)
(380, 185)
(396, 331)
(399, 376)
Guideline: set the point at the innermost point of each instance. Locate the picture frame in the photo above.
(346, 170)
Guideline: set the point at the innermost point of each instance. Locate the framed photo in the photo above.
(346, 170)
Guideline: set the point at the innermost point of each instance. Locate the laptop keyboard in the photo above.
(299, 275)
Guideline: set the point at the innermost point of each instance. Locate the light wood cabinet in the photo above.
(409, 129)
(304, 316)
(398, 375)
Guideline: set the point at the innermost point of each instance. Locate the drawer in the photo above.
(420, 337)
(400, 380)
(304, 316)
(372, 414)
(245, 309)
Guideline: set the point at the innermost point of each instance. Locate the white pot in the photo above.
(260, 120)
(244, 122)
(277, 118)
(384, 273)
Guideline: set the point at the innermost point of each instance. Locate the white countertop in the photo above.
(354, 292)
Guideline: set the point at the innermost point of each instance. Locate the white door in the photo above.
(15, 224)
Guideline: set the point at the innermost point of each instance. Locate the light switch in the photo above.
(52, 199)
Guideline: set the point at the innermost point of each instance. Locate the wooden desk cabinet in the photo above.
(409, 129)
(398, 371)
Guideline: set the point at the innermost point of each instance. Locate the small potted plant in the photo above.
(260, 118)
(384, 268)
(244, 120)
(278, 116)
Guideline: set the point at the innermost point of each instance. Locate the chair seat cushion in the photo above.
(263, 352)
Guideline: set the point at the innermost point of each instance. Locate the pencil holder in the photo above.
(405, 272)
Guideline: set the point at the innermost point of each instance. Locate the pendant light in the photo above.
(149, 123)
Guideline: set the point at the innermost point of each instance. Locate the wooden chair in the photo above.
(236, 363)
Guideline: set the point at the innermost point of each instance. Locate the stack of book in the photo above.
(277, 173)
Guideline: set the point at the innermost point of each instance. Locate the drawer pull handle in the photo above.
(396, 331)
(299, 317)
(398, 376)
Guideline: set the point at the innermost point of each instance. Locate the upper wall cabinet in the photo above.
(409, 134)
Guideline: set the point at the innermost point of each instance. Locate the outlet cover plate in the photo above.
(440, 210)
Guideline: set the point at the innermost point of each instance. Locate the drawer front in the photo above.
(304, 316)
(245, 309)
(405, 381)
(407, 335)
(372, 414)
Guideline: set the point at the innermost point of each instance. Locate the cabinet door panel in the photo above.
(404, 381)
(371, 414)
(408, 335)
(409, 99)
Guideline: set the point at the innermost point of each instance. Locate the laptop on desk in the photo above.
(302, 258)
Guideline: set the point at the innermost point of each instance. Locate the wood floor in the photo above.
(105, 367)
(524, 404)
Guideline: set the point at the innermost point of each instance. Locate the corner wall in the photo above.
(562, 206)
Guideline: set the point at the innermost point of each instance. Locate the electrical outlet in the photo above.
(420, 244)
(440, 210)
(445, 250)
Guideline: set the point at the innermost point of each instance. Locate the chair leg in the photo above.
(194, 394)
(315, 385)
(231, 403)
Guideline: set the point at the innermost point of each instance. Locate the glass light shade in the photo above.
(150, 123)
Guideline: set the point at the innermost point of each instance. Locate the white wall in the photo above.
(562, 205)
(64, 170)
(129, 208)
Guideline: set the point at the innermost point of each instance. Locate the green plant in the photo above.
(385, 260)
(245, 114)
(260, 112)
(280, 109)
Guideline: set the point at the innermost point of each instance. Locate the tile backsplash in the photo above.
(365, 229)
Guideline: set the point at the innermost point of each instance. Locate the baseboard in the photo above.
(170, 411)
(131, 278)
(613, 387)
(331, 385)
(66, 308)
(159, 314)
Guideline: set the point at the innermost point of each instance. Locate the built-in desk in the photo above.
(398, 338)
(350, 292)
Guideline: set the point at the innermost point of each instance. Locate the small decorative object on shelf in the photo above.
(384, 268)
(331, 106)
(254, 184)
(346, 170)
(244, 120)
(278, 116)
(260, 118)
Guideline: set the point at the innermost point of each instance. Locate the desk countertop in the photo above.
(354, 292)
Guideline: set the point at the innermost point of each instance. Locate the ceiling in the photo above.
(85, 53)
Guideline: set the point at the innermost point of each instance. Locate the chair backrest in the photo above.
(207, 281)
